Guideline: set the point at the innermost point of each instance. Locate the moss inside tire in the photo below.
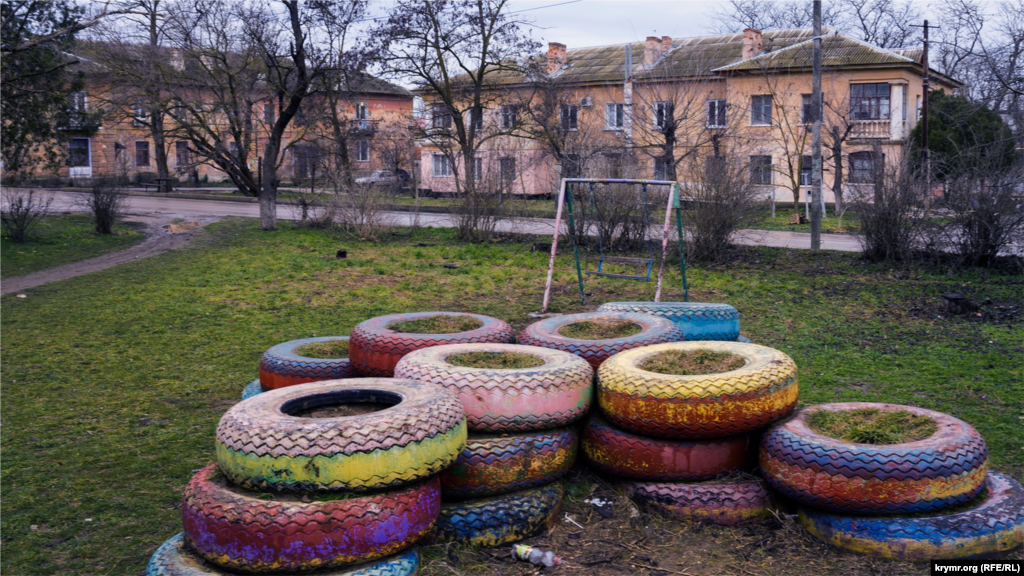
(173, 558)
(501, 519)
(945, 469)
(554, 394)
(699, 320)
(701, 406)
(990, 527)
(282, 366)
(247, 532)
(496, 464)
(629, 455)
(261, 445)
(375, 348)
(653, 330)
(725, 502)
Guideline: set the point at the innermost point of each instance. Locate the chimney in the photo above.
(556, 57)
(752, 43)
(666, 44)
(652, 50)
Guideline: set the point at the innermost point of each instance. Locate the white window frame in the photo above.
(509, 116)
(757, 111)
(139, 115)
(614, 116)
(362, 112)
(568, 117)
(440, 167)
(478, 168)
(476, 118)
(663, 110)
(763, 170)
(362, 151)
(716, 109)
(440, 117)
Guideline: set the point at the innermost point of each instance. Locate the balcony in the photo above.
(74, 121)
(863, 129)
(363, 127)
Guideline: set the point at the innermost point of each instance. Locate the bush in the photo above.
(893, 212)
(106, 204)
(986, 215)
(721, 202)
(359, 210)
(22, 210)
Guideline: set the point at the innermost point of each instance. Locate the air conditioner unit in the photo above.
(586, 101)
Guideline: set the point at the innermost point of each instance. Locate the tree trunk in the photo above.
(268, 193)
(837, 181)
(159, 145)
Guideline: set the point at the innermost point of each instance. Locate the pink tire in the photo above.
(554, 394)
(725, 502)
(654, 330)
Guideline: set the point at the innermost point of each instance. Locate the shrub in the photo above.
(22, 210)
(106, 203)
(718, 201)
(893, 212)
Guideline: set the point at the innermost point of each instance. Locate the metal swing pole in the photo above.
(575, 248)
(682, 244)
(554, 247)
(664, 242)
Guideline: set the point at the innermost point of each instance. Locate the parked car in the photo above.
(392, 179)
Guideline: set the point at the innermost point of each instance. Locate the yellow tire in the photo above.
(702, 406)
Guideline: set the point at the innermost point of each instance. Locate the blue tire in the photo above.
(699, 320)
(502, 519)
(251, 389)
(172, 558)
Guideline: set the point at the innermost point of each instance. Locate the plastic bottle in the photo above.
(535, 555)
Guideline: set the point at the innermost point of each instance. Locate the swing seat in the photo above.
(640, 262)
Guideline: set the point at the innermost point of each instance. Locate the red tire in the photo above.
(654, 330)
(629, 455)
(243, 531)
(490, 465)
(280, 366)
(557, 393)
(375, 349)
(724, 502)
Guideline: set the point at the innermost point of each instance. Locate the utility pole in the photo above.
(816, 112)
(926, 164)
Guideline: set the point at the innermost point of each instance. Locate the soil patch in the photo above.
(328, 350)
(600, 329)
(872, 426)
(684, 363)
(437, 325)
(339, 410)
(495, 360)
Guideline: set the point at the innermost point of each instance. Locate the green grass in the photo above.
(872, 426)
(62, 239)
(683, 363)
(113, 382)
(437, 325)
(327, 350)
(599, 329)
(499, 360)
(784, 211)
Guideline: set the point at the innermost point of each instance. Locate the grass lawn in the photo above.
(829, 223)
(113, 382)
(62, 239)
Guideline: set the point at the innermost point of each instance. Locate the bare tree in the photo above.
(22, 211)
(719, 200)
(893, 210)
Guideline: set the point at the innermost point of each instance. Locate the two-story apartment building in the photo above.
(657, 109)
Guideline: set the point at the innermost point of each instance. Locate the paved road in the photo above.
(171, 207)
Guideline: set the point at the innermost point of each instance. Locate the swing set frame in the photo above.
(565, 200)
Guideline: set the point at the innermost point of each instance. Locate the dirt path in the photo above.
(161, 237)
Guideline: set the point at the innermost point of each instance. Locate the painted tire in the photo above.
(991, 527)
(505, 400)
(237, 530)
(628, 455)
(490, 465)
(723, 502)
(943, 470)
(173, 558)
(375, 349)
(280, 366)
(703, 406)
(699, 320)
(743, 339)
(251, 389)
(545, 334)
(501, 519)
(261, 447)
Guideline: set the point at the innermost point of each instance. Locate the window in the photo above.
(508, 170)
(234, 149)
(361, 112)
(78, 152)
(760, 169)
(305, 158)
(362, 151)
(78, 102)
(716, 113)
(614, 116)
(761, 109)
(567, 117)
(142, 153)
(440, 117)
(660, 169)
(509, 117)
(478, 169)
(440, 166)
(268, 114)
(572, 166)
(805, 170)
(182, 157)
(476, 116)
(714, 167)
(614, 164)
(862, 167)
(806, 114)
(869, 101)
(663, 115)
(139, 114)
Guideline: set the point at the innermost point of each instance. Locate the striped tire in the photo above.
(554, 394)
(241, 531)
(724, 502)
(501, 519)
(629, 455)
(173, 558)
(490, 465)
(945, 469)
(545, 334)
(703, 406)
(280, 366)
(260, 446)
(375, 349)
(993, 526)
(251, 389)
(699, 320)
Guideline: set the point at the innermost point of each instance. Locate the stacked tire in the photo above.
(284, 365)
(928, 499)
(505, 484)
(698, 320)
(685, 446)
(306, 480)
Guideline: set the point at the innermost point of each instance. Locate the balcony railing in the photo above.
(870, 129)
(363, 127)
